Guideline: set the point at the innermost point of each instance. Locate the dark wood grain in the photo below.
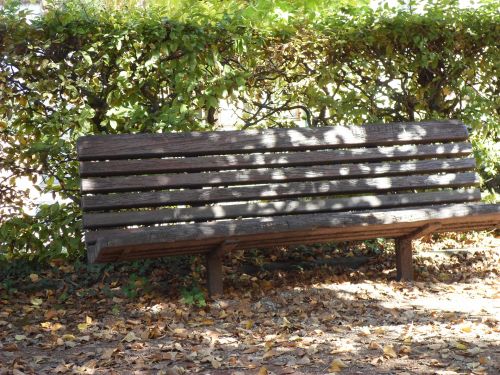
(127, 146)
(404, 259)
(272, 160)
(271, 240)
(276, 191)
(299, 223)
(260, 176)
(231, 211)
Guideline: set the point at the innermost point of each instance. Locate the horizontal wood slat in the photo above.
(291, 159)
(276, 191)
(217, 212)
(113, 254)
(285, 239)
(258, 176)
(221, 142)
(271, 240)
(297, 223)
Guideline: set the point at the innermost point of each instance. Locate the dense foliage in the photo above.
(87, 69)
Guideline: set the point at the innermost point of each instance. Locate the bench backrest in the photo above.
(145, 179)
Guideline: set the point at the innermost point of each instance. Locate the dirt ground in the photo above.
(153, 319)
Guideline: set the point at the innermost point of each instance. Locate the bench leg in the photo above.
(404, 263)
(214, 267)
(214, 273)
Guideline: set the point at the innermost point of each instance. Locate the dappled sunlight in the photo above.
(303, 320)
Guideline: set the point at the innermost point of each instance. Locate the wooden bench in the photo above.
(151, 195)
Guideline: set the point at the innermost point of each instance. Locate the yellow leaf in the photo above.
(286, 323)
(82, 326)
(389, 351)
(460, 346)
(36, 301)
(337, 365)
(466, 329)
(262, 371)
(34, 277)
(268, 345)
(68, 337)
(20, 337)
(88, 320)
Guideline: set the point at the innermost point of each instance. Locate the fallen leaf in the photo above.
(107, 353)
(460, 346)
(20, 337)
(82, 326)
(262, 371)
(154, 333)
(10, 348)
(129, 337)
(49, 314)
(337, 365)
(303, 361)
(365, 331)
(389, 351)
(405, 350)
(36, 301)
(34, 277)
(374, 346)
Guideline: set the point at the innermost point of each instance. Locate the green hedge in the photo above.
(90, 70)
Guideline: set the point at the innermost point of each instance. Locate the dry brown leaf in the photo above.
(337, 365)
(250, 350)
(10, 347)
(405, 350)
(389, 351)
(374, 345)
(129, 337)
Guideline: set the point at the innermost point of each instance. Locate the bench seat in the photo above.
(195, 238)
(150, 195)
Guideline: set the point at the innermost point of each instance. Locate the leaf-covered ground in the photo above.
(275, 318)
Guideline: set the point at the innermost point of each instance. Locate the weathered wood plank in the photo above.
(476, 216)
(274, 239)
(291, 223)
(272, 160)
(276, 191)
(125, 146)
(259, 176)
(206, 213)
(155, 250)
